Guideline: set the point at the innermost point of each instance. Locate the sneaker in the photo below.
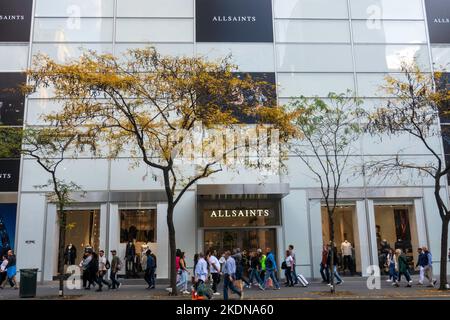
(216, 293)
(420, 283)
(119, 286)
(277, 288)
(186, 292)
(409, 285)
(169, 290)
(434, 283)
(261, 287)
(388, 280)
(339, 282)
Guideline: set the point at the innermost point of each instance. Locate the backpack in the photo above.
(283, 265)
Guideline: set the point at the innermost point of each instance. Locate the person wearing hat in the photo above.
(116, 265)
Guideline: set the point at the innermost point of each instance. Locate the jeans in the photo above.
(150, 277)
(336, 275)
(215, 280)
(421, 274)
(288, 273)
(294, 275)
(114, 282)
(254, 273)
(183, 282)
(428, 271)
(271, 274)
(325, 273)
(228, 283)
(392, 273)
(406, 274)
(100, 279)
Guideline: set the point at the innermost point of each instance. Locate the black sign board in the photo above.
(438, 15)
(9, 175)
(11, 98)
(15, 20)
(234, 21)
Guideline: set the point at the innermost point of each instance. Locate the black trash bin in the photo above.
(28, 283)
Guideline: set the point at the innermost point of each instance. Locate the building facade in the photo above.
(309, 48)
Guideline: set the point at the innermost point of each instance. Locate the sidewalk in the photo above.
(352, 288)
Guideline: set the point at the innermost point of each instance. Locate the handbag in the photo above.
(283, 265)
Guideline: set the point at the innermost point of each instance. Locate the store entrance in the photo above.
(245, 239)
(82, 232)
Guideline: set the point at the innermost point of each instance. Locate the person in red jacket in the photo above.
(324, 270)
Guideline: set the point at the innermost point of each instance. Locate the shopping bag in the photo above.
(269, 283)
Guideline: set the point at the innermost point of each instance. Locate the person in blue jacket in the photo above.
(271, 267)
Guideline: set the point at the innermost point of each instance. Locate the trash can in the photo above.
(28, 283)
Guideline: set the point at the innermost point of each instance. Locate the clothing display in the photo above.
(347, 255)
(4, 239)
(130, 260)
(70, 254)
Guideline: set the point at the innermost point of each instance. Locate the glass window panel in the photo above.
(36, 108)
(248, 57)
(309, 85)
(369, 84)
(63, 52)
(376, 31)
(441, 57)
(73, 29)
(74, 8)
(138, 225)
(155, 8)
(169, 49)
(379, 58)
(386, 9)
(314, 58)
(13, 58)
(311, 9)
(312, 31)
(158, 30)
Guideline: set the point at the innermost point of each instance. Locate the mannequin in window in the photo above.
(130, 255)
(4, 239)
(70, 255)
(346, 250)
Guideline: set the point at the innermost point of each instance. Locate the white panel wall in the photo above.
(70, 8)
(51, 241)
(13, 58)
(296, 229)
(315, 217)
(157, 30)
(318, 9)
(185, 225)
(163, 242)
(155, 8)
(31, 222)
(386, 9)
(314, 84)
(312, 31)
(126, 177)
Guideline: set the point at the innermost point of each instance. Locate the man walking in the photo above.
(422, 262)
(214, 269)
(103, 266)
(324, 270)
(428, 269)
(229, 271)
(271, 266)
(150, 270)
(116, 265)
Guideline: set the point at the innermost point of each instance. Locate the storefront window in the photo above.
(138, 225)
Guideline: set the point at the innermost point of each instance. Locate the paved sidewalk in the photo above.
(352, 288)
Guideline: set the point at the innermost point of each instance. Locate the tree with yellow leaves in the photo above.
(417, 101)
(176, 115)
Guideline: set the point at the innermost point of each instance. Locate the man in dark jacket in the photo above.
(150, 270)
(324, 270)
(422, 262)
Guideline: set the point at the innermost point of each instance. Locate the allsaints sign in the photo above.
(239, 213)
(438, 16)
(234, 21)
(15, 20)
(9, 175)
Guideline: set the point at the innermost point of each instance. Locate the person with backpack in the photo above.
(271, 267)
(116, 265)
(103, 266)
(150, 270)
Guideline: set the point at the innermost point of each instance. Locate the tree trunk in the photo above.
(331, 266)
(172, 249)
(62, 240)
(444, 248)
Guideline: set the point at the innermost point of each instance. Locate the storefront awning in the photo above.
(243, 191)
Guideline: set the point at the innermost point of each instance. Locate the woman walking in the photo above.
(402, 268)
(288, 271)
(183, 273)
(391, 264)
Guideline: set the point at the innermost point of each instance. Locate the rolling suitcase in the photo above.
(302, 280)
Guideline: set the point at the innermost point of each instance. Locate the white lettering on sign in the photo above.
(234, 19)
(442, 20)
(11, 18)
(5, 176)
(240, 213)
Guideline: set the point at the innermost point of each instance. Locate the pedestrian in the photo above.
(183, 274)
(289, 269)
(222, 262)
(103, 266)
(334, 264)
(428, 269)
(10, 270)
(271, 266)
(229, 271)
(422, 262)
(84, 264)
(262, 260)
(294, 271)
(201, 273)
(238, 258)
(391, 264)
(116, 265)
(214, 269)
(324, 270)
(3, 272)
(93, 270)
(255, 269)
(150, 270)
(401, 268)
